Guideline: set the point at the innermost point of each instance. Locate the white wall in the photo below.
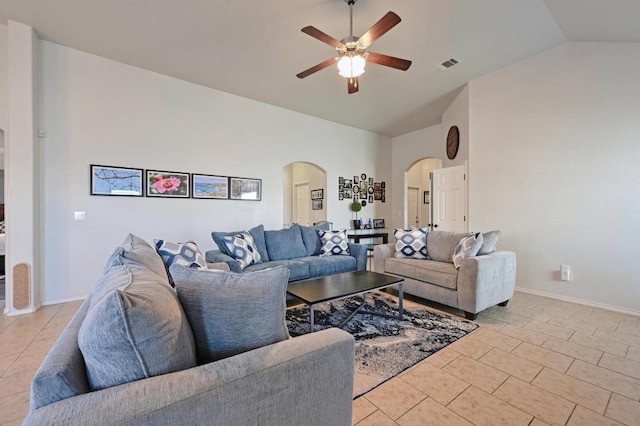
(456, 115)
(408, 149)
(4, 78)
(98, 111)
(555, 143)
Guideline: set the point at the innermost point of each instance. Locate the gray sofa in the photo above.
(297, 248)
(482, 280)
(303, 380)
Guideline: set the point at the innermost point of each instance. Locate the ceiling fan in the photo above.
(352, 55)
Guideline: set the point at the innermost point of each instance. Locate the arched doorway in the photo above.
(417, 195)
(300, 180)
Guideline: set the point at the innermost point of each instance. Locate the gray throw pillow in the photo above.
(232, 313)
(489, 242)
(441, 244)
(285, 244)
(257, 232)
(134, 331)
(467, 247)
(138, 251)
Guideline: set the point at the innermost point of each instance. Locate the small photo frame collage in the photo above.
(317, 196)
(362, 189)
(132, 182)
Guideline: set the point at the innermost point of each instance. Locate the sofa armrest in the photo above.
(304, 380)
(486, 280)
(221, 266)
(381, 253)
(216, 256)
(359, 251)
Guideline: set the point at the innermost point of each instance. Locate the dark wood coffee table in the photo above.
(340, 286)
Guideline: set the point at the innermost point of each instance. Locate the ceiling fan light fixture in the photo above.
(351, 66)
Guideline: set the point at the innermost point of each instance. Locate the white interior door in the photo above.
(449, 199)
(302, 204)
(413, 212)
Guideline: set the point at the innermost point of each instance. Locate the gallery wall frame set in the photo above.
(133, 182)
(361, 188)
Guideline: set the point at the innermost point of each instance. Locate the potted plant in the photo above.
(355, 207)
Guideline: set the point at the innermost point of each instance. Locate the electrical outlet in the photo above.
(565, 272)
(79, 215)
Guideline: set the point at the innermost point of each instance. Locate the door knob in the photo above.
(435, 225)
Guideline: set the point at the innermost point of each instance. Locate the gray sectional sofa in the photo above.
(297, 248)
(483, 280)
(289, 381)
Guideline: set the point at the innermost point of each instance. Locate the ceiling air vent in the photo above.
(447, 64)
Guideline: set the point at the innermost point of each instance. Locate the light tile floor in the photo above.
(536, 362)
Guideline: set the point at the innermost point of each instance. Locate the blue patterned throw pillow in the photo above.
(467, 247)
(186, 254)
(411, 243)
(242, 248)
(333, 242)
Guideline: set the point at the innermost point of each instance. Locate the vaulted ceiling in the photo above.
(254, 49)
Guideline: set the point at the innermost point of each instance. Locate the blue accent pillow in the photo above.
(186, 254)
(285, 244)
(256, 232)
(467, 247)
(243, 249)
(411, 243)
(311, 240)
(333, 242)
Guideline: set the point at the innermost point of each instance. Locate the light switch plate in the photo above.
(79, 215)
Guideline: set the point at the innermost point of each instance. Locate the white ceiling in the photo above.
(255, 48)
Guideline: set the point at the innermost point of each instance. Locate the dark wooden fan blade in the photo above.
(325, 38)
(317, 68)
(385, 23)
(353, 85)
(388, 61)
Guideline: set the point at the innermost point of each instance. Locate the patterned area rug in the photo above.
(385, 346)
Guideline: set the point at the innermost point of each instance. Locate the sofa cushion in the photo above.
(233, 313)
(285, 243)
(441, 244)
(333, 243)
(134, 331)
(442, 274)
(467, 247)
(328, 265)
(242, 248)
(257, 232)
(489, 242)
(186, 254)
(311, 240)
(298, 270)
(411, 243)
(139, 251)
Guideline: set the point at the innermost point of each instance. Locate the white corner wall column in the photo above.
(22, 172)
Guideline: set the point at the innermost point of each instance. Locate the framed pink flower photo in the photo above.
(168, 184)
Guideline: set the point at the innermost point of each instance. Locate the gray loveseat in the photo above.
(482, 280)
(297, 248)
(303, 380)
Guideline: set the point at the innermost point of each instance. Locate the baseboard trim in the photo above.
(56, 302)
(578, 301)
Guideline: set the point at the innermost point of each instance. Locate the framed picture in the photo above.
(363, 176)
(426, 197)
(382, 185)
(340, 195)
(363, 195)
(245, 189)
(377, 186)
(378, 223)
(377, 195)
(371, 198)
(209, 186)
(370, 190)
(317, 194)
(348, 184)
(167, 184)
(348, 194)
(316, 204)
(370, 181)
(364, 186)
(123, 181)
(341, 180)
(356, 188)
(355, 180)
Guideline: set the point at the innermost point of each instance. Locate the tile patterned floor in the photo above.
(536, 362)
